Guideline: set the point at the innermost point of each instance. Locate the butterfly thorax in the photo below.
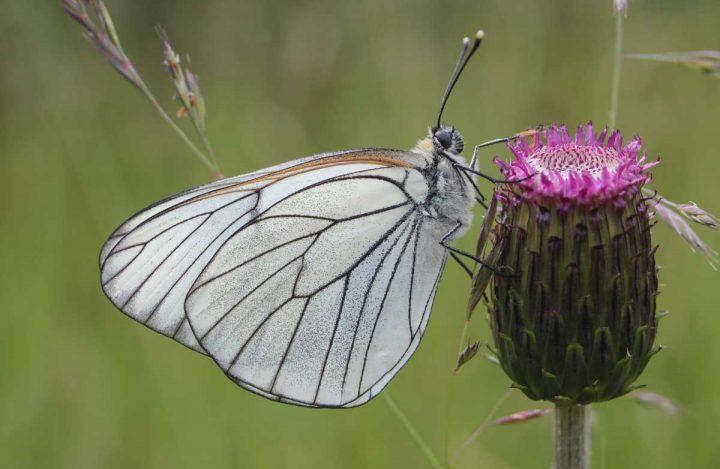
(450, 198)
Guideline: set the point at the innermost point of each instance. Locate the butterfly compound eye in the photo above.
(449, 139)
(444, 138)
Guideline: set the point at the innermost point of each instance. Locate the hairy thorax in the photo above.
(450, 199)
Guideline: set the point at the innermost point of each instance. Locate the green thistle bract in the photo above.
(572, 309)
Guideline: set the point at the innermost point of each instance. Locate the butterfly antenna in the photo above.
(465, 53)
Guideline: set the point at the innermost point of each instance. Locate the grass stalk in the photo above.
(432, 459)
(617, 69)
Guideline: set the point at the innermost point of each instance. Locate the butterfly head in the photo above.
(447, 139)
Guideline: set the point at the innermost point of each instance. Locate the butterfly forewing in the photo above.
(150, 262)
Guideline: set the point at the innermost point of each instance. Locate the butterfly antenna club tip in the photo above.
(466, 52)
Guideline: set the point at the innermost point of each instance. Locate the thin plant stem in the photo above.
(483, 426)
(571, 435)
(101, 31)
(180, 133)
(617, 69)
(205, 141)
(412, 431)
(212, 165)
(654, 195)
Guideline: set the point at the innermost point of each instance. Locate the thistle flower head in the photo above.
(584, 169)
(572, 307)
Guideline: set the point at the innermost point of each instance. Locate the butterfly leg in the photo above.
(473, 164)
(526, 133)
(489, 178)
(480, 198)
(462, 264)
(455, 251)
(495, 141)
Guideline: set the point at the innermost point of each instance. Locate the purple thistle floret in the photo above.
(586, 168)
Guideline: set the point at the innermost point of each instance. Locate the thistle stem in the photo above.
(617, 68)
(571, 432)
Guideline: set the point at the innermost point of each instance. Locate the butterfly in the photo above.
(310, 282)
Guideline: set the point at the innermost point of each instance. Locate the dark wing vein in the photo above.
(332, 338)
(251, 259)
(367, 292)
(373, 246)
(157, 215)
(198, 256)
(290, 342)
(247, 295)
(412, 278)
(160, 264)
(382, 303)
(428, 303)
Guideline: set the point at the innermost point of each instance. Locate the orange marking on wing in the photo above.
(303, 168)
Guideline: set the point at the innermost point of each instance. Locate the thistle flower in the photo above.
(572, 307)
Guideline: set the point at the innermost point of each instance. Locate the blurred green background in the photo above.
(81, 385)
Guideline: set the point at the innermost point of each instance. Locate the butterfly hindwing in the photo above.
(324, 296)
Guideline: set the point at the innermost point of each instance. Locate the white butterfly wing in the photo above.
(309, 282)
(324, 296)
(150, 262)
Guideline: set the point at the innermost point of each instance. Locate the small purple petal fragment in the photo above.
(698, 215)
(678, 223)
(467, 354)
(521, 417)
(620, 7)
(706, 61)
(103, 36)
(656, 400)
